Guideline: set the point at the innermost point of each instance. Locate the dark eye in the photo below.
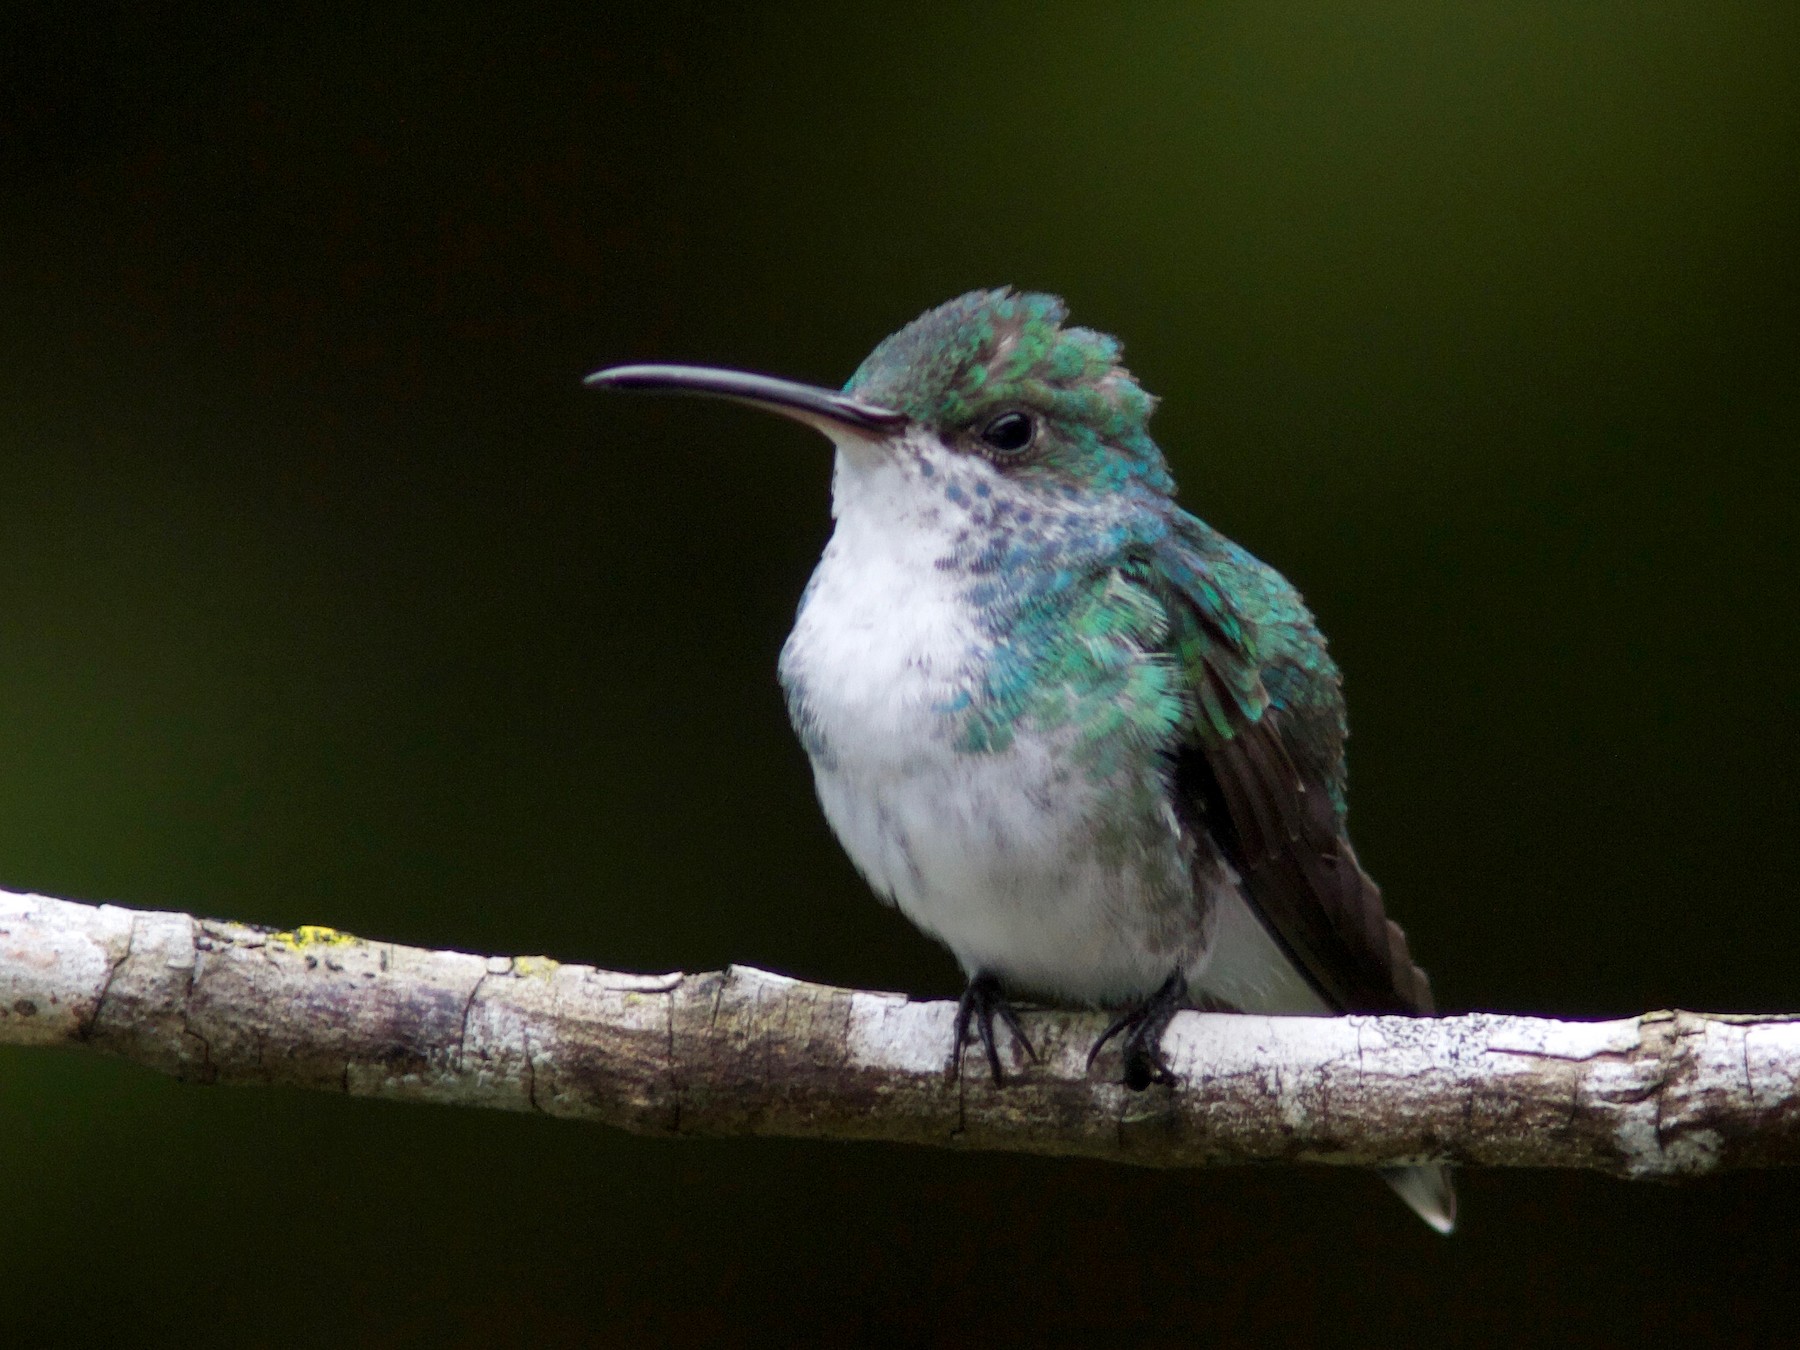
(1009, 433)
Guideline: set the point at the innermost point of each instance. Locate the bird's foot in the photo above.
(1143, 1025)
(980, 1004)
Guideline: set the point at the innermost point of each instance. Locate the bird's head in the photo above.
(992, 383)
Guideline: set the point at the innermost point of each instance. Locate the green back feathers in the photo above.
(1229, 643)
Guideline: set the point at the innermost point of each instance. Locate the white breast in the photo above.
(883, 636)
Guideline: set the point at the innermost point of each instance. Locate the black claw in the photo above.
(1143, 1025)
(981, 1003)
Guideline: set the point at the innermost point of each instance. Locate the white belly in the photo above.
(990, 854)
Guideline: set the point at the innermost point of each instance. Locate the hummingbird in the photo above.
(1072, 732)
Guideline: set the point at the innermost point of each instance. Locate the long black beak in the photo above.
(820, 408)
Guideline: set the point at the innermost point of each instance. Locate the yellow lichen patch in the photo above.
(313, 935)
(535, 967)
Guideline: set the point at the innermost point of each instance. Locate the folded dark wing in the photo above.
(1257, 769)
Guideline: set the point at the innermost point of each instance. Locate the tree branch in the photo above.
(1668, 1094)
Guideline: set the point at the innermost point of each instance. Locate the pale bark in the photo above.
(1668, 1094)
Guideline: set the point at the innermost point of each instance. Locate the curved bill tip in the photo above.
(807, 403)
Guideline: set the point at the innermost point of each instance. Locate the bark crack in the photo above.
(530, 1072)
(209, 1071)
(87, 1027)
(462, 1034)
(1749, 1079)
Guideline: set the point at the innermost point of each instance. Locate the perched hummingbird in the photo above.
(1074, 733)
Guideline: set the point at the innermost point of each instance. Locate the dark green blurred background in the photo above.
(327, 595)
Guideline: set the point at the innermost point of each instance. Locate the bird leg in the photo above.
(980, 1004)
(1143, 1025)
